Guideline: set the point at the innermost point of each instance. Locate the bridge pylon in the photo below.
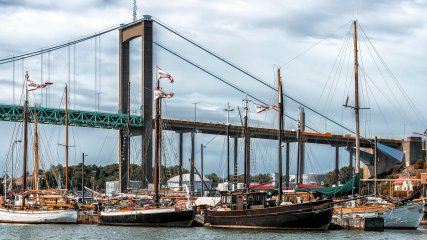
(144, 29)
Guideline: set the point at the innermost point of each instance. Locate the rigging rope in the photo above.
(243, 71)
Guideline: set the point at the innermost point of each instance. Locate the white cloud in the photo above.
(254, 34)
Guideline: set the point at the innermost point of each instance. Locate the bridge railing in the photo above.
(75, 117)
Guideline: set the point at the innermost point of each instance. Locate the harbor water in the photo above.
(53, 231)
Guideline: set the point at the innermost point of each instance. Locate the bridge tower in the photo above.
(144, 29)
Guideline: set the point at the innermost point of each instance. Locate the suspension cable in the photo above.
(218, 77)
(247, 73)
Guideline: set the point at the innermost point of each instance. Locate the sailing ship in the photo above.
(36, 206)
(403, 214)
(251, 209)
(407, 216)
(155, 214)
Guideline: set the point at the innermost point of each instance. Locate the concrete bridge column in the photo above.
(235, 163)
(143, 29)
(337, 169)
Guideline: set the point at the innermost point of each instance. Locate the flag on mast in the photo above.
(162, 74)
(261, 108)
(32, 85)
(158, 93)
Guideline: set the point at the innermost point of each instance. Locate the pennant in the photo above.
(32, 85)
(162, 74)
(261, 108)
(158, 93)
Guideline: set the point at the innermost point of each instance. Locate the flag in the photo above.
(162, 74)
(32, 85)
(261, 108)
(158, 93)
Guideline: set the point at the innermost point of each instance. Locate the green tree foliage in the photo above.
(345, 174)
(262, 178)
(214, 178)
(55, 176)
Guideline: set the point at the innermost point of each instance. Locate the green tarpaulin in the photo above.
(349, 188)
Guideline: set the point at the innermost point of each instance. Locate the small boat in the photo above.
(37, 216)
(407, 216)
(156, 213)
(159, 217)
(252, 210)
(36, 206)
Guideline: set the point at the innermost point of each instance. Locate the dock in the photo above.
(87, 218)
(357, 223)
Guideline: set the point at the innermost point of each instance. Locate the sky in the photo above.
(309, 40)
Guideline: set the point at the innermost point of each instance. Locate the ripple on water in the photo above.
(53, 231)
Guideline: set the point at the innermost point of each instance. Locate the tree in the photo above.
(346, 173)
(214, 178)
(330, 179)
(262, 178)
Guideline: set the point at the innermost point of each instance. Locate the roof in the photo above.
(401, 179)
(186, 178)
(209, 201)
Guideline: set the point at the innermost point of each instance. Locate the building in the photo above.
(173, 183)
(403, 183)
(112, 187)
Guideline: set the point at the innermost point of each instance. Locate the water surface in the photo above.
(53, 231)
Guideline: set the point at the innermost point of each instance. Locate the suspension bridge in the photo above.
(141, 125)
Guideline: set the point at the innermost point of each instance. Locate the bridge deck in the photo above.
(119, 121)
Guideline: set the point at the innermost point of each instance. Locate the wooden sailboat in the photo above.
(36, 206)
(406, 216)
(250, 209)
(156, 214)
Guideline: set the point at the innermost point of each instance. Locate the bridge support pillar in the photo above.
(301, 147)
(350, 160)
(181, 155)
(235, 163)
(337, 170)
(143, 29)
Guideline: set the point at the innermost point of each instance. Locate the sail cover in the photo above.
(349, 188)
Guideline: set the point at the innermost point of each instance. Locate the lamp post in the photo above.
(13, 146)
(201, 167)
(83, 177)
(93, 185)
(195, 110)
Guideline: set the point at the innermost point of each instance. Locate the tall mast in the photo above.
(156, 145)
(280, 123)
(356, 97)
(228, 110)
(247, 157)
(24, 164)
(36, 154)
(66, 138)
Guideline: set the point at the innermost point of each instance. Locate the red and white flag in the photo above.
(158, 93)
(31, 85)
(162, 74)
(261, 108)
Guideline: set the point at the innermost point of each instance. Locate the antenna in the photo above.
(134, 10)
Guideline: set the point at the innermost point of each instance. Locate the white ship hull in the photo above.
(408, 216)
(38, 216)
(404, 217)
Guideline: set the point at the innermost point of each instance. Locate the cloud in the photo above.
(304, 37)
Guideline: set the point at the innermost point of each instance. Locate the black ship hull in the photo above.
(308, 216)
(152, 217)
